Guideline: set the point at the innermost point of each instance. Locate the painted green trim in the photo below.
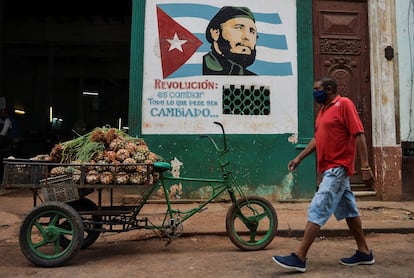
(136, 67)
(305, 68)
(306, 173)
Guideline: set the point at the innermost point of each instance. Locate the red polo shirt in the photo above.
(336, 126)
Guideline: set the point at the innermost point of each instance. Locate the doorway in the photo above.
(341, 51)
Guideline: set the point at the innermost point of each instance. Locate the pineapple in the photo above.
(115, 167)
(121, 178)
(91, 165)
(152, 157)
(76, 164)
(110, 135)
(117, 144)
(92, 177)
(41, 157)
(139, 157)
(142, 169)
(109, 156)
(137, 178)
(58, 171)
(122, 154)
(131, 148)
(101, 166)
(56, 153)
(129, 165)
(106, 178)
(76, 176)
(143, 149)
(98, 156)
(98, 136)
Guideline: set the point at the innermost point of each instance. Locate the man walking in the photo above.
(338, 133)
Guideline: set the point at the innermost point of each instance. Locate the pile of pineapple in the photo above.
(105, 156)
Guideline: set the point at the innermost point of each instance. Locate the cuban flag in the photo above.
(181, 31)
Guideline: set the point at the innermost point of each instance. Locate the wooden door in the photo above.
(341, 51)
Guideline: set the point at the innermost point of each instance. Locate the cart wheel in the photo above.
(41, 230)
(89, 236)
(251, 224)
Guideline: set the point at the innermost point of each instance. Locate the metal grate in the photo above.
(60, 188)
(244, 100)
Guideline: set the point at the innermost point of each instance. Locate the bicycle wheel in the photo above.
(89, 236)
(252, 223)
(40, 234)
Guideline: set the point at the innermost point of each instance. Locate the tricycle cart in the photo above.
(67, 221)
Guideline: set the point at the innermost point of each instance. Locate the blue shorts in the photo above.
(334, 196)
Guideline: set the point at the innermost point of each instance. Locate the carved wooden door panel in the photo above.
(341, 51)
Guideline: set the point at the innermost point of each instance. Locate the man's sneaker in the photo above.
(358, 258)
(291, 262)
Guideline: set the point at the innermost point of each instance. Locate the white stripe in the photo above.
(273, 55)
(268, 28)
(199, 25)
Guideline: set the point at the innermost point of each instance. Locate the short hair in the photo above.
(328, 81)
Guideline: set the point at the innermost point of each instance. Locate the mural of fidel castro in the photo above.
(232, 33)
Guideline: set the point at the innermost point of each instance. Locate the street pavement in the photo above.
(389, 226)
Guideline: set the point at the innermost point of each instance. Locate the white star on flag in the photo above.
(176, 43)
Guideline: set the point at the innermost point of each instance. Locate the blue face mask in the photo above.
(320, 95)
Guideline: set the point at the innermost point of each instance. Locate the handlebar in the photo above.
(225, 148)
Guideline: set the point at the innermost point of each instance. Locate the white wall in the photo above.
(384, 83)
(405, 39)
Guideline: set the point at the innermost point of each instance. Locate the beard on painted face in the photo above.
(243, 59)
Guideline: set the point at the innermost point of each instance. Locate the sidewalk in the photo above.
(377, 217)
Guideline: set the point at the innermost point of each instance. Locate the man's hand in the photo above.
(293, 164)
(368, 177)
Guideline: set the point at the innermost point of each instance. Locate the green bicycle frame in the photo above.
(219, 186)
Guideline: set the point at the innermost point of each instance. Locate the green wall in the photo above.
(259, 162)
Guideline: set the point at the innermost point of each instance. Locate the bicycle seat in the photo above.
(161, 166)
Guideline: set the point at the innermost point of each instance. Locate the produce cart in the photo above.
(66, 220)
(52, 232)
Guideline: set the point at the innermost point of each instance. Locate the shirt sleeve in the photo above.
(352, 120)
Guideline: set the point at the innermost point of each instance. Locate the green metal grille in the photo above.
(243, 100)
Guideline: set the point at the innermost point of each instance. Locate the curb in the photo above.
(323, 233)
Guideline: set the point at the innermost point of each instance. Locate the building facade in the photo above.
(352, 41)
(51, 54)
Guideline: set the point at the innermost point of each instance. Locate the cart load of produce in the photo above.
(105, 156)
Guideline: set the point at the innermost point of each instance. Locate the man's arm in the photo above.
(293, 164)
(367, 175)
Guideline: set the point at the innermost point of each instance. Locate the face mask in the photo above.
(320, 95)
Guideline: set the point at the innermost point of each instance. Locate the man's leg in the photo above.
(363, 255)
(355, 226)
(297, 261)
(311, 232)
(323, 204)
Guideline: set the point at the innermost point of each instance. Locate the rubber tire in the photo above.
(52, 211)
(236, 236)
(89, 237)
